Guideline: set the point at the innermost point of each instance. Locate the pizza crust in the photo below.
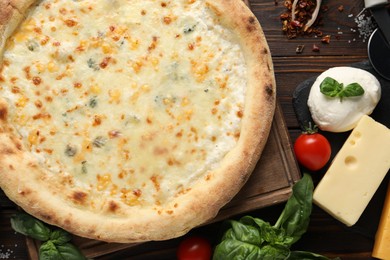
(22, 178)
(11, 14)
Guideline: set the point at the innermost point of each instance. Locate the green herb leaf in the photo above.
(56, 244)
(60, 237)
(351, 90)
(332, 88)
(253, 238)
(50, 251)
(295, 217)
(30, 226)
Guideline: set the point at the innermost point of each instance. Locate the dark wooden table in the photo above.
(325, 235)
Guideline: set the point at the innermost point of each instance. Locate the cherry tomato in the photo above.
(194, 248)
(312, 150)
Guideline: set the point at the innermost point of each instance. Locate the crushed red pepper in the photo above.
(303, 13)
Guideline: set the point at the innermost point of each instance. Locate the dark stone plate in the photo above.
(368, 222)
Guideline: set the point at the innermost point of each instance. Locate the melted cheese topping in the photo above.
(130, 100)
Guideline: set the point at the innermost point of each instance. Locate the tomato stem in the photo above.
(310, 129)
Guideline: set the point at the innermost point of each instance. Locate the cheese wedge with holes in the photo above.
(356, 172)
(382, 239)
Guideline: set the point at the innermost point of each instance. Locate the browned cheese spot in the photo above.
(79, 197)
(3, 112)
(113, 206)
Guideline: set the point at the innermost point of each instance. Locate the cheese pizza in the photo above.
(130, 121)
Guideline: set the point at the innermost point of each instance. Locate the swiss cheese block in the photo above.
(356, 172)
(382, 240)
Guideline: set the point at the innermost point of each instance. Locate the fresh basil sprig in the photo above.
(56, 243)
(253, 238)
(332, 88)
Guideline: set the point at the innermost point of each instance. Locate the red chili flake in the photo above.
(296, 24)
(315, 48)
(284, 16)
(326, 39)
(302, 4)
(56, 43)
(112, 28)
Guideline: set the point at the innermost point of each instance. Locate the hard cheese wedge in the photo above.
(356, 172)
(382, 240)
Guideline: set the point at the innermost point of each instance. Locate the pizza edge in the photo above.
(187, 211)
(11, 14)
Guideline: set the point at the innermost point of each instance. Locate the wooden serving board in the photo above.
(270, 183)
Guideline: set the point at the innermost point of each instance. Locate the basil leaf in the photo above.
(275, 252)
(245, 233)
(30, 226)
(351, 90)
(330, 87)
(268, 234)
(67, 251)
(253, 238)
(295, 217)
(60, 237)
(70, 252)
(235, 249)
(48, 251)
